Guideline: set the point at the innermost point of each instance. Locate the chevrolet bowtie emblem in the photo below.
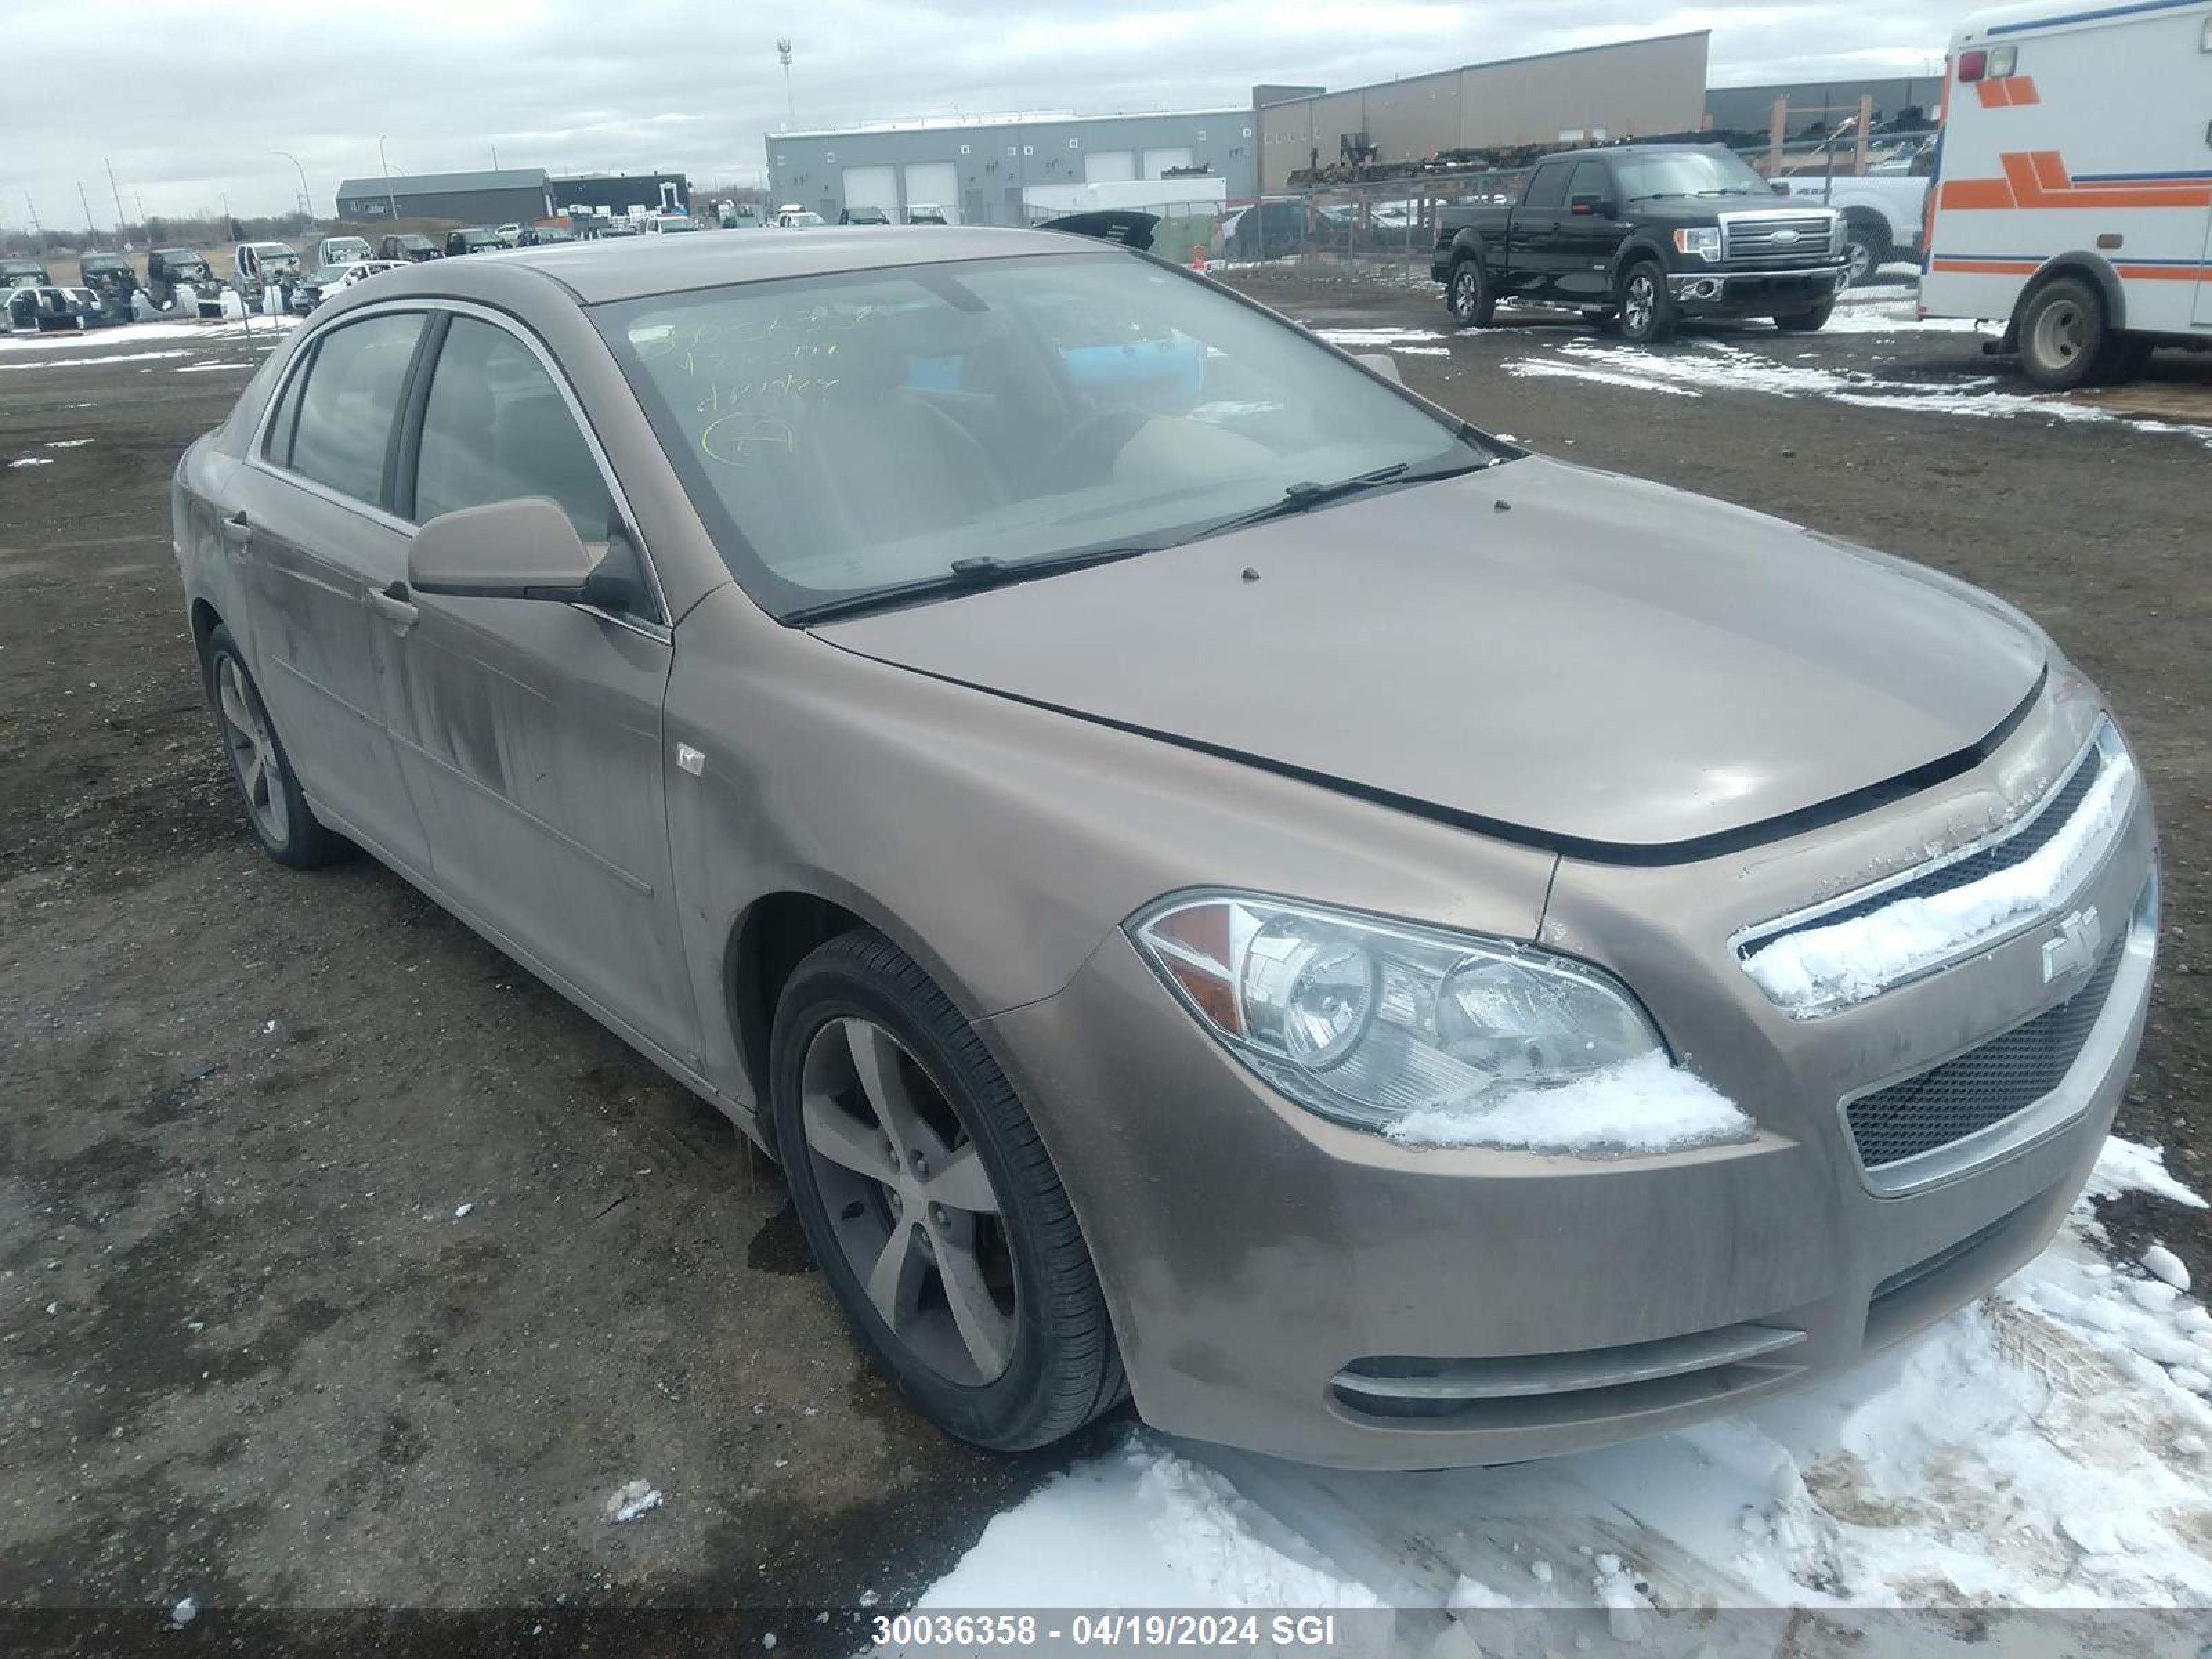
(2074, 950)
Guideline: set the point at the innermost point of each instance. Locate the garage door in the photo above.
(1157, 161)
(875, 187)
(1108, 167)
(937, 183)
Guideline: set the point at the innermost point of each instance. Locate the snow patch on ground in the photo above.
(1352, 339)
(203, 368)
(84, 362)
(1851, 961)
(2042, 1448)
(32, 460)
(146, 334)
(1640, 1106)
(1700, 365)
(632, 1499)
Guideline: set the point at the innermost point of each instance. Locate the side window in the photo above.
(1589, 180)
(1547, 187)
(496, 427)
(344, 427)
(278, 447)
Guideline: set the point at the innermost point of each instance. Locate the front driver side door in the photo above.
(529, 730)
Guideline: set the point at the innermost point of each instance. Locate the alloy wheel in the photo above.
(1638, 303)
(1861, 262)
(1463, 294)
(909, 1200)
(252, 753)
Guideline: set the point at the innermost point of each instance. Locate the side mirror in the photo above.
(519, 549)
(1383, 364)
(1585, 205)
(1780, 186)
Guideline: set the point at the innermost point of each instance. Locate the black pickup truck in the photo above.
(1645, 235)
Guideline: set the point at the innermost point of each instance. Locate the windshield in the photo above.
(1711, 172)
(849, 434)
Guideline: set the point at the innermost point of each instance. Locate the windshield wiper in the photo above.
(1304, 497)
(972, 575)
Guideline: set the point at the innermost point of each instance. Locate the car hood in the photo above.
(1591, 662)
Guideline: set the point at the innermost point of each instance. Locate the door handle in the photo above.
(393, 606)
(236, 530)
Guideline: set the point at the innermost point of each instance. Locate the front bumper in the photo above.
(1717, 292)
(1285, 1284)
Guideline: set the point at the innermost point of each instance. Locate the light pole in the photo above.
(307, 202)
(390, 200)
(790, 109)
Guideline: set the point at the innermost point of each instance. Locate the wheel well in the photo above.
(1867, 219)
(773, 937)
(2099, 273)
(206, 620)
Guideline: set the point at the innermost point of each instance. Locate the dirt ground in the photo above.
(255, 1350)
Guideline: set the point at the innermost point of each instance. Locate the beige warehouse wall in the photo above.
(1634, 86)
(1637, 86)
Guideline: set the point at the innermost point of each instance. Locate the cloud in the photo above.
(187, 113)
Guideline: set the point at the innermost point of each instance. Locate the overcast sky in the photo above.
(189, 103)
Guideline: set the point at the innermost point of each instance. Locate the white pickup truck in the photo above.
(1882, 215)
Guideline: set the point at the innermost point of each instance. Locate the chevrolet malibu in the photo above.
(1218, 881)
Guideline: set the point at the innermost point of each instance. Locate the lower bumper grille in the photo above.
(1526, 1390)
(1984, 1086)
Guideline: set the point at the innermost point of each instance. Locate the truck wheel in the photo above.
(1807, 322)
(2062, 334)
(1866, 245)
(1648, 311)
(1472, 303)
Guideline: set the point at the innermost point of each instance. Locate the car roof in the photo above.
(629, 269)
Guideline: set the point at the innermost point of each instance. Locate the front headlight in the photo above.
(1366, 1021)
(1704, 240)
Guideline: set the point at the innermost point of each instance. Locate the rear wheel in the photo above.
(1647, 312)
(1807, 322)
(275, 807)
(2062, 334)
(930, 1206)
(1472, 303)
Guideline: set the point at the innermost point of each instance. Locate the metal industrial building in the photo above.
(1613, 91)
(619, 193)
(976, 167)
(508, 196)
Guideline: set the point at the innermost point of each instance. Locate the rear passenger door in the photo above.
(314, 538)
(531, 730)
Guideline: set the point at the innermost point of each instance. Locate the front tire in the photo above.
(278, 812)
(930, 1206)
(1646, 311)
(1469, 293)
(1807, 322)
(2062, 334)
(1866, 245)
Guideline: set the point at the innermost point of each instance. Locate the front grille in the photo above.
(1777, 240)
(2051, 816)
(1984, 1086)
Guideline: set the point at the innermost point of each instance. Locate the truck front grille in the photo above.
(1776, 239)
(1984, 1086)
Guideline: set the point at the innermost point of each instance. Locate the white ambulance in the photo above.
(2072, 191)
